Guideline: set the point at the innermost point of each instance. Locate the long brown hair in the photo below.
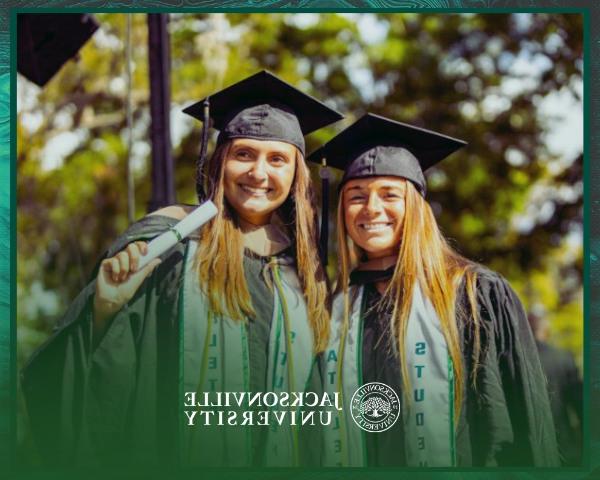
(220, 256)
(424, 258)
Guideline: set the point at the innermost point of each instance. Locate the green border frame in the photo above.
(8, 199)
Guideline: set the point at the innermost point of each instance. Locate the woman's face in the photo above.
(374, 214)
(258, 177)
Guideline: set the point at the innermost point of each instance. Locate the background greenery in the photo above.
(508, 200)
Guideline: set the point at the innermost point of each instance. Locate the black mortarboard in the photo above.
(378, 146)
(266, 108)
(262, 107)
(46, 41)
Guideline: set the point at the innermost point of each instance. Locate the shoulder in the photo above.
(497, 301)
(177, 212)
(487, 276)
(491, 285)
(156, 222)
(149, 226)
(500, 306)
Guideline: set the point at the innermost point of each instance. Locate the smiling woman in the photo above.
(240, 306)
(258, 177)
(449, 336)
(374, 214)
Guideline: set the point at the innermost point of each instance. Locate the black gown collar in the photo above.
(362, 277)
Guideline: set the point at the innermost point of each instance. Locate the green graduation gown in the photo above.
(117, 401)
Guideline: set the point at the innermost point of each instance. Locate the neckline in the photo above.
(362, 277)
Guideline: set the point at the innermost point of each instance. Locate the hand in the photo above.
(117, 281)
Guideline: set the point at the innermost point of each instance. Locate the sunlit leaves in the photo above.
(506, 199)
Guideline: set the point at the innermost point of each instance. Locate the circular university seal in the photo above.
(375, 407)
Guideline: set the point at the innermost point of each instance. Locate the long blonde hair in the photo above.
(426, 259)
(220, 256)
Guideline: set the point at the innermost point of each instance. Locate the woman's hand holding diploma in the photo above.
(118, 280)
(120, 276)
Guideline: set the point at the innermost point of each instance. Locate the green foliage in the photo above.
(443, 72)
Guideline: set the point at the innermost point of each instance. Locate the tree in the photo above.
(375, 407)
(508, 200)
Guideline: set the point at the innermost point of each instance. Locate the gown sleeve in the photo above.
(513, 424)
(76, 392)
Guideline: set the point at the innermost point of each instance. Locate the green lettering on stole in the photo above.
(420, 417)
(419, 394)
(336, 425)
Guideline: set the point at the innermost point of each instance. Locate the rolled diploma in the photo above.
(191, 222)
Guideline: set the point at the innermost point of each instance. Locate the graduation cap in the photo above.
(261, 107)
(45, 42)
(377, 146)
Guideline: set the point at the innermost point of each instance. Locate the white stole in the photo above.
(428, 417)
(220, 349)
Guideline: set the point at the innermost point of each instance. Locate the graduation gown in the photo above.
(118, 400)
(505, 417)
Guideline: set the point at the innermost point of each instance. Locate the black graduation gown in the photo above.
(115, 401)
(505, 417)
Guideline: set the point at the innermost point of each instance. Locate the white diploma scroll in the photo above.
(185, 227)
